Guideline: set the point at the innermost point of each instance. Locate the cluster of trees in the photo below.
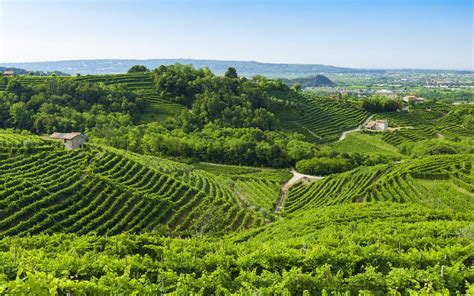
(380, 103)
(324, 163)
(227, 101)
(138, 69)
(65, 105)
(249, 146)
(228, 119)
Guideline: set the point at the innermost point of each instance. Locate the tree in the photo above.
(380, 103)
(21, 116)
(231, 73)
(297, 86)
(137, 69)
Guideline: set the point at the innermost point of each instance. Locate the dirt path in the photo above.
(297, 177)
(359, 128)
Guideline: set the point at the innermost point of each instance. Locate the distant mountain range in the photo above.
(244, 68)
(247, 69)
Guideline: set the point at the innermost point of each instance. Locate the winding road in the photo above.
(297, 177)
(359, 128)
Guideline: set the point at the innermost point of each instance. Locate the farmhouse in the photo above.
(413, 99)
(390, 94)
(377, 125)
(8, 73)
(71, 140)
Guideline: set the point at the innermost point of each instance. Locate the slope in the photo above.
(318, 119)
(412, 181)
(370, 248)
(108, 191)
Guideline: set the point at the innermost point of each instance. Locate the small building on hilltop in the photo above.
(8, 73)
(414, 99)
(377, 125)
(71, 141)
(388, 93)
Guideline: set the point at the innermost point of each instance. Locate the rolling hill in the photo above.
(102, 220)
(437, 181)
(108, 191)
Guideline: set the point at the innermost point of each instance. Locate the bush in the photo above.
(137, 69)
(323, 166)
(378, 103)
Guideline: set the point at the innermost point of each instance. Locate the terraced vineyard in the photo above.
(257, 188)
(378, 247)
(108, 191)
(438, 181)
(11, 142)
(424, 123)
(157, 109)
(320, 119)
(3, 84)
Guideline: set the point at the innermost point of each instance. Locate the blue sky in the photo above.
(353, 33)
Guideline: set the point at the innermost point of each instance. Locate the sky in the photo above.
(431, 34)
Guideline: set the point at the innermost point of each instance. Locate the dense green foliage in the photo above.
(137, 69)
(378, 248)
(326, 163)
(380, 103)
(249, 146)
(62, 104)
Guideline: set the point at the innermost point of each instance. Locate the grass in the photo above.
(364, 143)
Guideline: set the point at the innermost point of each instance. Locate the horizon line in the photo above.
(245, 61)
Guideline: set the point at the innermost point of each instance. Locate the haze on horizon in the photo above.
(425, 34)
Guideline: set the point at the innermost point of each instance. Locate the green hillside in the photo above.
(107, 191)
(193, 184)
(319, 119)
(437, 181)
(155, 109)
(369, 248)
(427, 122)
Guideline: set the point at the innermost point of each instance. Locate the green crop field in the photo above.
(359, 142)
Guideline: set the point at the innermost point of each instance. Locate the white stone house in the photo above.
(8, 73)
(71, 141)
(414, 99)
(377, 125)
